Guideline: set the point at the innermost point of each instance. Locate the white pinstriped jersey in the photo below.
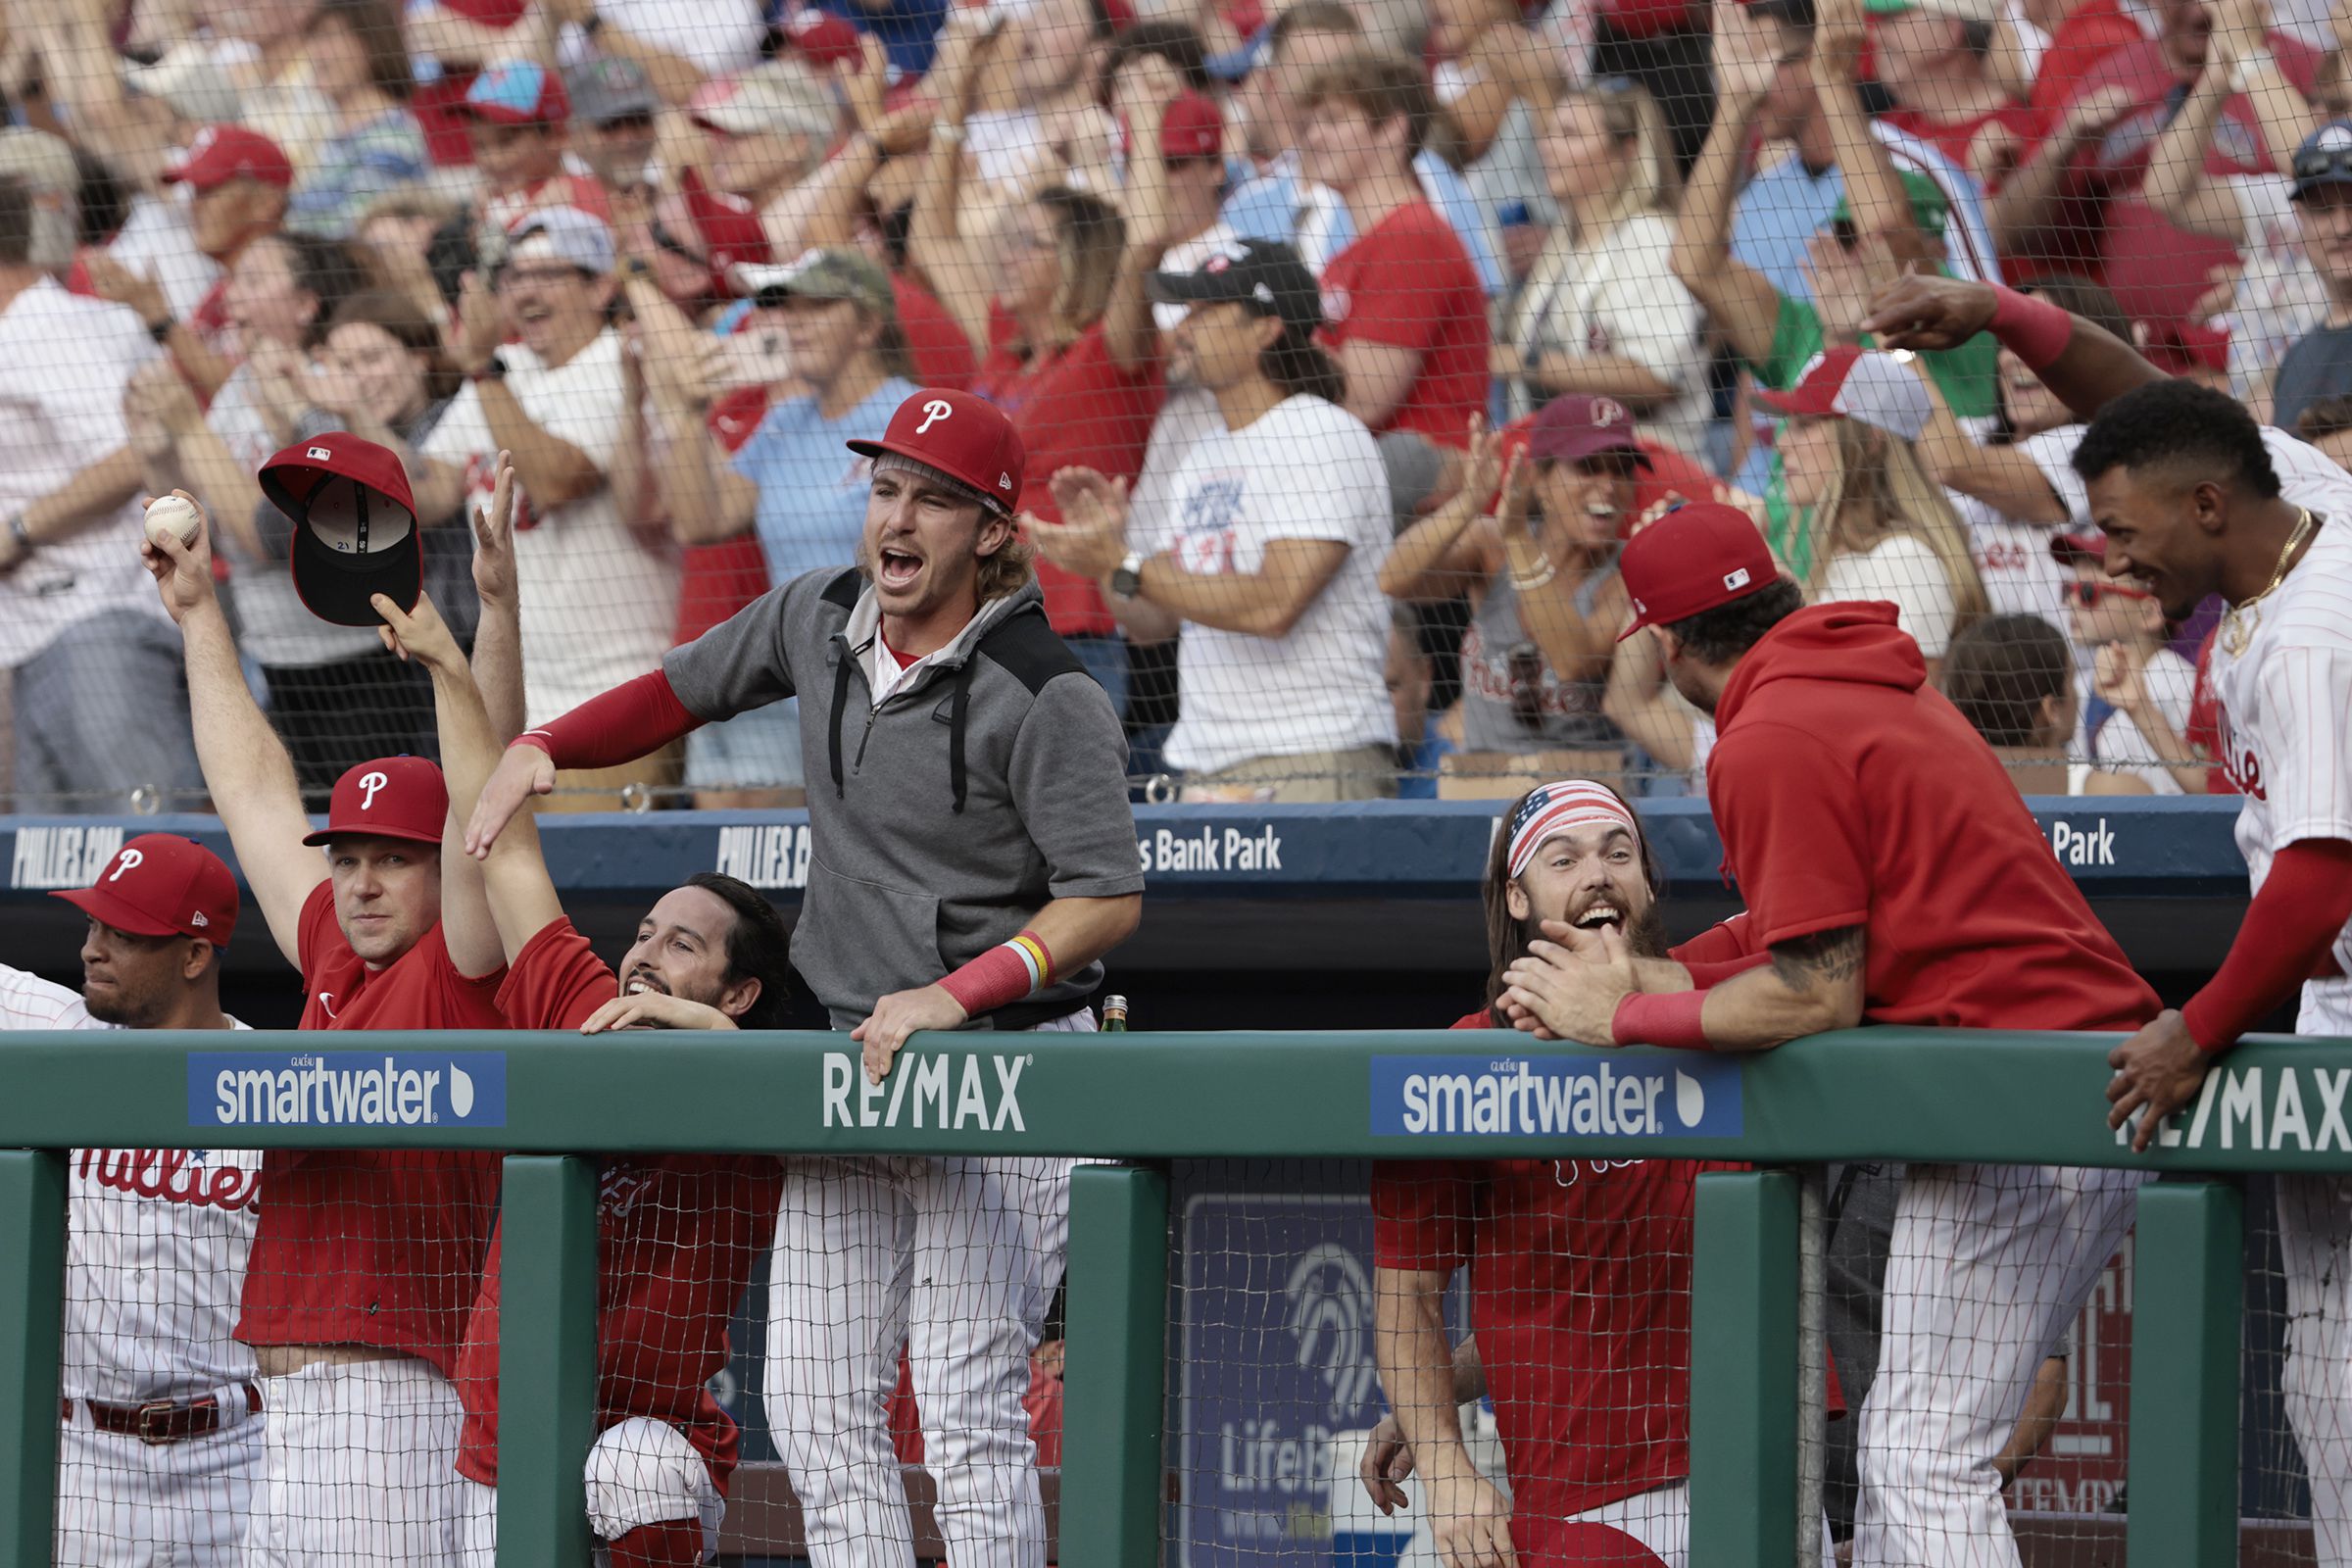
(2286, 700)
(155, 1250)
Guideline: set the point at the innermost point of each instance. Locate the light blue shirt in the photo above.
(1785, 206)
(811, 505)
(1269, 206)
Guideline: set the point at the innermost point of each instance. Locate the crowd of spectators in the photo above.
(1347, 341)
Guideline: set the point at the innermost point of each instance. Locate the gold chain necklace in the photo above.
(2240, 619)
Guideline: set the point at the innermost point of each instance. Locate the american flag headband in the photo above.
(1559, 807)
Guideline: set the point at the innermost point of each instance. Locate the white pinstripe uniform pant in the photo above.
(2315, 1241)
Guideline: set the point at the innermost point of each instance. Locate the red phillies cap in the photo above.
(730, 230)
(1692, 559)
(354, 529)
(965, 437)
(1190, 127)
(159, 885)
(390, 798)
(219, 154)
(824, 39)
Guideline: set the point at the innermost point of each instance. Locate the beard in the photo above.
(1645, 933)
(123, 1010)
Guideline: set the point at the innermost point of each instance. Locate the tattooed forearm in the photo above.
(1830, 956)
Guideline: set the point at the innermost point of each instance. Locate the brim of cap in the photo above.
(2304, 187)
(107, 909)
(876, 449)
(603, 113)
(2071, 548)
(1802, 403)
(501, 114)
(1198, 288)
(331, 832)
(1576, 450)
(741, 124)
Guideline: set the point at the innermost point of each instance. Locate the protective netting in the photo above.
(1615, 233)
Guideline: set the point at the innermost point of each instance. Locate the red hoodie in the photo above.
(1847, 793)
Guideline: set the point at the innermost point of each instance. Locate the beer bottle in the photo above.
(1114, 1015)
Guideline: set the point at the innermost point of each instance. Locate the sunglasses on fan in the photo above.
(2089, 593)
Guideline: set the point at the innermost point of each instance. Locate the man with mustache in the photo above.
(1580, 1283)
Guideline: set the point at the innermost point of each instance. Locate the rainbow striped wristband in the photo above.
(1004, 974)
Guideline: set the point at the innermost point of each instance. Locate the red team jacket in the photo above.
(677, 1237)
(374, 1247)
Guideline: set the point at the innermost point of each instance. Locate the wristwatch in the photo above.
(18, 534)
(494, 369)
(591, 24)
(160, 330)
(1128, 580)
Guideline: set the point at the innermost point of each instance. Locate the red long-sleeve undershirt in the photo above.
(2288, 930)
(634, 720)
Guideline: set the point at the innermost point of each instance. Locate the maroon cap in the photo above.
(219, 154)
(965, 437)
(390, 798)
(1574, 426)
(355, 532)
(159, 885)
(730, 230)
(824, 39)
(1693, 558)
(1190, 127)
(2089, 543)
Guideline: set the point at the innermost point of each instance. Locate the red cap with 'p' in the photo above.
(159, 885)
(965, 437)
(390, 798)
(1693, 558)
(223, 153)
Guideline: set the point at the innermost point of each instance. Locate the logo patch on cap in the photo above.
(198, 918)
(1735, 580)
(127, 861)
(1004, 481)
(320, 453)
(1606, 411)
(369, 783)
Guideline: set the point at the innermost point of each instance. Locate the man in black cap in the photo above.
(2320, 364)
(1282, 671)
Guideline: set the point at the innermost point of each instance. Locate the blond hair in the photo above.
(1631, 114)
(1879, 479)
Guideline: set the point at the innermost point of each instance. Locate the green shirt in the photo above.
(1965, 375)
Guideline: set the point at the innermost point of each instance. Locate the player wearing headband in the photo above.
(1580, 1270)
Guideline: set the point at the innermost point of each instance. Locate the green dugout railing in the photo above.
(551, 1101)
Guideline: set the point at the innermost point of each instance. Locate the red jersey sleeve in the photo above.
(316, 932)
(1793, 831)
(1725, 942)
(1422, 1214)
(556, 981)
(1401, 272)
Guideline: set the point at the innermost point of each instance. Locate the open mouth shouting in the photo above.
(898, 570)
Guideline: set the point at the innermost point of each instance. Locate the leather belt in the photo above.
(161, 1421)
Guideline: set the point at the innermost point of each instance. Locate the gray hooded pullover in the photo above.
(990, 783)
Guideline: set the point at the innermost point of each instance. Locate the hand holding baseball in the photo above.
(182, 571)
(174, 514)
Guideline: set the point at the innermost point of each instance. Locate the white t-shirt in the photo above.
(599, 607)
(1305, 469)
(156, 1242)
(1904, 571)
(61, 408)
(2118, 746)
(714, 37)
(1615, 293)
(2021, 577)
(2286, 702)
(157, 242)
(2279, 295)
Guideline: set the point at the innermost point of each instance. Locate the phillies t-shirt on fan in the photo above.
(374, 1247)
(678, 1236)
(1409, 282)
(2021, 577)
(1304, 469)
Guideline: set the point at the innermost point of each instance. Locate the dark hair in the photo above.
(2000, 671)
(376, 25)
(1176, 42)
(325, 271)
(1797, 14)
(1720, 635)
(397, 317)
(1382, 85)
(2180, 424)
(16, 222)
(2324, 417)
(1311, 16)
(1506, 940)
(759, 948)
(101, 198)
(1302, 367)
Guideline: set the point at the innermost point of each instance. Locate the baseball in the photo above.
(175, 515)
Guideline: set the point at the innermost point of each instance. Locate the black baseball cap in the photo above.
(1265, 274)
(2324, 159)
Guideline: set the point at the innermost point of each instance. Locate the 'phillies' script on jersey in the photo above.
(347, 1089)
(1531, 1097)
(174, 1175)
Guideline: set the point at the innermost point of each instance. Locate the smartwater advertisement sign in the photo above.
(1537, 1097)
(1277, 1359)
(347, 1089)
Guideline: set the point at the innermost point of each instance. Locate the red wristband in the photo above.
(2034, 330)
(1004, 974)
(1668, 1019)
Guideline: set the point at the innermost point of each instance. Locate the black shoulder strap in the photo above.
(845, 589)
(1028, 648)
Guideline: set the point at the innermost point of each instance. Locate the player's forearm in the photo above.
(2285, 938)
(1417, 1370)
(498, 665)
(1811, 985)
(520, 895)
(2045, 1403)
(242, 757)
(1079, 931)
(1469, 1372)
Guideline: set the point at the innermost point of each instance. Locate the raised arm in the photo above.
(1741, 300)
(2087, 365)
(2027, 203)
(246, 770)
(935, 245)
(2176, 185)
(2002, 477)
(1874, 191)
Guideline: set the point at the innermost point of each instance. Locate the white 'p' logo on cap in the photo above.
(127, 861)
(934, 410)
(369, 783)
